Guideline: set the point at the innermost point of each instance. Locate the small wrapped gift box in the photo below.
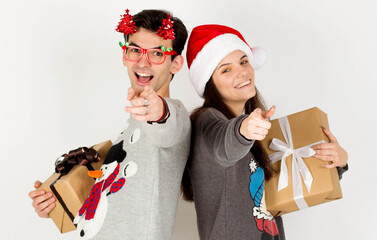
(71, 183)
(300, 180)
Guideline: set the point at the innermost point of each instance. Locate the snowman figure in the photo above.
(90, 217)
(263, 218)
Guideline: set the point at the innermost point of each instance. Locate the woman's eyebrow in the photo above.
(222, 65)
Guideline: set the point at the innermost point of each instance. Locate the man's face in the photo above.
(142, 72)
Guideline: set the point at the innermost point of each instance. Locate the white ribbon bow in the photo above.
(283, 150)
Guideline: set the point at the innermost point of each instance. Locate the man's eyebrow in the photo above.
(135, 45)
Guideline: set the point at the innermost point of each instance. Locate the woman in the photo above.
(227, 167)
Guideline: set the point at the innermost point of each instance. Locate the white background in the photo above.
(63, 85)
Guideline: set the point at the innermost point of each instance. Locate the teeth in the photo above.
(243, 84)
(144, 74)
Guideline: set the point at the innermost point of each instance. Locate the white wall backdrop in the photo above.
(63, 85)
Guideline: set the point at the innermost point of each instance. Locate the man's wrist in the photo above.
(165, 114)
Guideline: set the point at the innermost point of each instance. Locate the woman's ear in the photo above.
(177, 64)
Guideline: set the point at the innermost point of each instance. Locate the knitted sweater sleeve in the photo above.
(222, 137)
(176, 128)
(342, 170)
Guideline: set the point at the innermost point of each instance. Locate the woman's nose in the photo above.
(241, 73)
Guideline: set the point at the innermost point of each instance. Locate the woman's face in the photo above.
(234, 78)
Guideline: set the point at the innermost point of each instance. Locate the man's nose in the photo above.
(144, 61)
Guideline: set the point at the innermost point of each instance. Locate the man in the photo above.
(153, 149)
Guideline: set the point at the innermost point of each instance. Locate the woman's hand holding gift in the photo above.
(331, 152)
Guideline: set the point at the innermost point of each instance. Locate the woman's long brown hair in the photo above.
(213, 99)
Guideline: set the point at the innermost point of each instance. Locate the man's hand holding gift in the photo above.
(43, 202)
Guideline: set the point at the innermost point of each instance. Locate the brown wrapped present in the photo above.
(71, 184)
(300, 181)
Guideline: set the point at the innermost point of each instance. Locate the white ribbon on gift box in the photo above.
(283, 150)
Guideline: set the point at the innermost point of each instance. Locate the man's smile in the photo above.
(143, 78)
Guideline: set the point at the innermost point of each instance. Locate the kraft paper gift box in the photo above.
(71, 190)
(291, 137)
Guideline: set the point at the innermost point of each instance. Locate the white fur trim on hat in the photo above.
(213, 52)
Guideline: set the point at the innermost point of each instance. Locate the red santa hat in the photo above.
(208, 45)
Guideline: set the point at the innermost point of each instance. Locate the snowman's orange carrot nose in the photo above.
(95, 174)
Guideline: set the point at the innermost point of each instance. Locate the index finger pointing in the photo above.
(269, 113)
(130, 94)
(147, 91)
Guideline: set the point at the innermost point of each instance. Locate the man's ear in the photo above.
(177, 64)
(124, 59)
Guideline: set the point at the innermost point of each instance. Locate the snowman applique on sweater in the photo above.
(263, 218)
(90, 217)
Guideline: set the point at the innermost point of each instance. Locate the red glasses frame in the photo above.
(145, 52)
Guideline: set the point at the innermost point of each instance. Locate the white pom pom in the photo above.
(259, 57)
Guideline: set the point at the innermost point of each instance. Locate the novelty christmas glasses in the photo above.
(154, 55)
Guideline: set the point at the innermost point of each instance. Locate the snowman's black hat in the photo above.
(116, 153)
